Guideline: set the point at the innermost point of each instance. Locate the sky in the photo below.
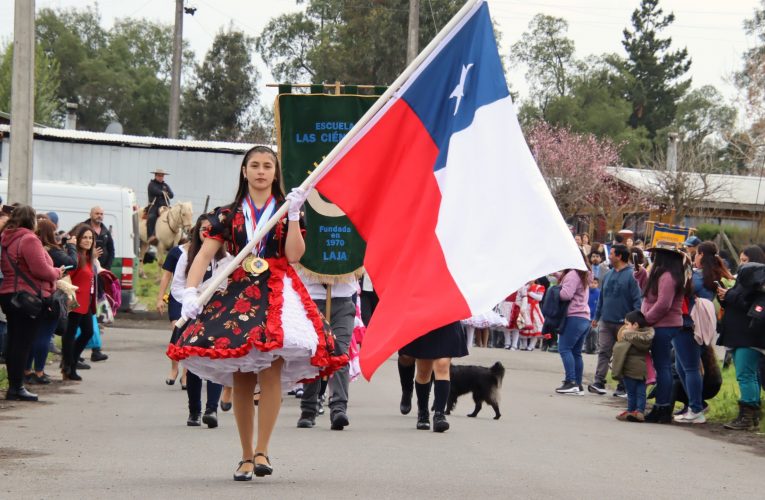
(711, 30)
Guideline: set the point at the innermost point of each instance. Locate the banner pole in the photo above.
(313, 177)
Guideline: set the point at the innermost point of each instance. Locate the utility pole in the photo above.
(22, 103)
(175, 80)
(413, 40)
(672, 152)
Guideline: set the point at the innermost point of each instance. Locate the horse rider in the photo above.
(159, 196)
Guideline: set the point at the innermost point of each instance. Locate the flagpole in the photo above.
(313, 177)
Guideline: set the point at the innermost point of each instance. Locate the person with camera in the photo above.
(84, 277)
(29, 279)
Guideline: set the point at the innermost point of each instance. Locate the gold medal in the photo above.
(254, 265)
(260, 266)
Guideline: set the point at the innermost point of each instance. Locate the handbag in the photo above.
(23, 301)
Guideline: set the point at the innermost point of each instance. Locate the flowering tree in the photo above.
(573, 165)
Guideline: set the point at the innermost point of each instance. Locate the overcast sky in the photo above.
(711, 30)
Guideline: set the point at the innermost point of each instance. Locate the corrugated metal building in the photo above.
(197, 168)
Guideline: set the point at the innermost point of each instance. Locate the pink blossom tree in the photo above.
(574, 167)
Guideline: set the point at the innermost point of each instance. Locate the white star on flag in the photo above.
(459, 90)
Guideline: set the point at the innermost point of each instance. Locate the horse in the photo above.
(171, 224)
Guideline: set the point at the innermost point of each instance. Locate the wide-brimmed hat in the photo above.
(159, 171)
(668, 246)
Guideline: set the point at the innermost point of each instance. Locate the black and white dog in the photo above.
(483, 382)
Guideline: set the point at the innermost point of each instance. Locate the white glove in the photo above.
(296, 198)
(189, 307)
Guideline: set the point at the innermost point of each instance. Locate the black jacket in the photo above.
(105, 241)
(156, 196)
(735, 328)
(66, 256)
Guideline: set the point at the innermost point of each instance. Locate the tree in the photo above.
(122, 74)
(573, 165)
(656, 86)
(685, 190)
(286, 43)
(75, 38)
(596, 105)
(701, 115)
(218, 104)
(549, 56)
(47, 107)
(751, 81)
(337, 40)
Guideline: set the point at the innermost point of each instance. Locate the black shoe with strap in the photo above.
(195, 419)
(210, 418)
(243, 475)
(423, 420)
(263, 469)
(659, 415)
(96, 355)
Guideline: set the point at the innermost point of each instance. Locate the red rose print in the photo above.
(237, 331)
(242, 306)
(238, 219)
(239, 274)
(222, 343)
(252, 292)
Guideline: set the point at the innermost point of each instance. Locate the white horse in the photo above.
(171, 224)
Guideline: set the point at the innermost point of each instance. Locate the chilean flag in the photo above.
(443, 188)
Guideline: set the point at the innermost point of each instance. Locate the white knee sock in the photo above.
(516, 336)
(470, 330)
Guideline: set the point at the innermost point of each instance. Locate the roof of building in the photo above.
(733, 192)
(83, 136)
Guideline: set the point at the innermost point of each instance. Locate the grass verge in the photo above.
(148, 287)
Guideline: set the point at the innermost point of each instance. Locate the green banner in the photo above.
(310, 125)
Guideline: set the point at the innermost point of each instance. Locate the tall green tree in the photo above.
(351, 42)
(549, 56)
(122, 74)
(751, 78)
(219, 104)
(75, 38)
(47, 106)
(657, 72)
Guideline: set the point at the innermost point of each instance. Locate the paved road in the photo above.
(121, 434)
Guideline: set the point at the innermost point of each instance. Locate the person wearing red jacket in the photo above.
(84, 278)
(23, 250)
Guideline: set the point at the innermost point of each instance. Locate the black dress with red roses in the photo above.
(257, 319)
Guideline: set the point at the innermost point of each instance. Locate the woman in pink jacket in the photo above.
(23, 250)
(575, 288)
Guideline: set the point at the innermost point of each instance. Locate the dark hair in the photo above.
(585, 235)
(665, 262)
(754, 253)
(195, 242)
(84, 257)
(712, 267)
(583, 275)
(638, 258)
(243, 189)
(622, 252)
(22, 216)
(618, 238)
(636, 317)
(46, 231)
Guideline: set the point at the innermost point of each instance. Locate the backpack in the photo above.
(554, 310)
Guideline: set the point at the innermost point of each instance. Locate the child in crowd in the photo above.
(531, 313)
(629, 363)
(591, 341)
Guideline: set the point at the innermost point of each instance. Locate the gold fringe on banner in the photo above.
(330, 279)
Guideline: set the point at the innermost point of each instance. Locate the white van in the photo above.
(72, 202)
